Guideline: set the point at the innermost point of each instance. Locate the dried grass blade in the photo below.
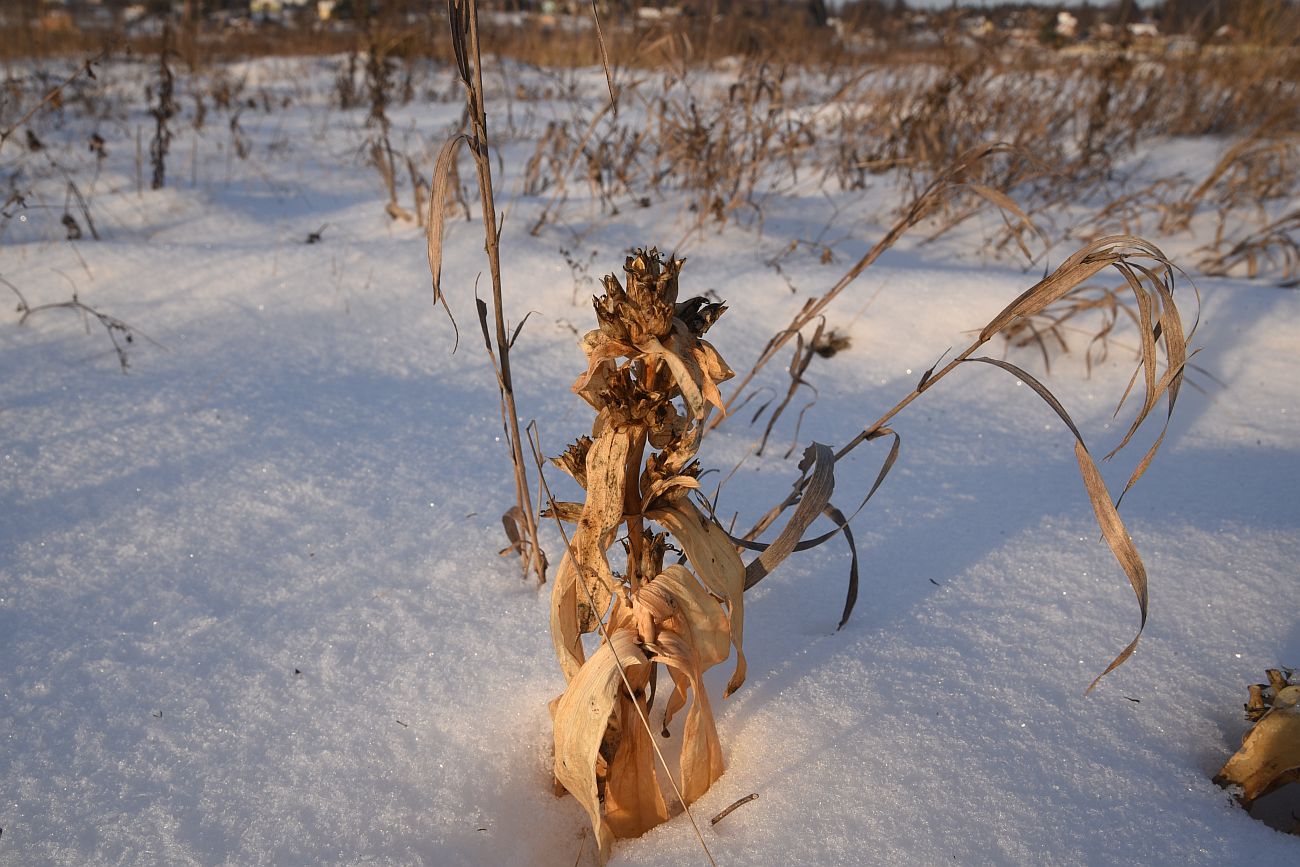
(1108, 519)
(1170, 384)
(435, 222)
(1113, 530)
(816, 495)
(604, 58)
(1083, 264)
(851, 596)
(1038, 388)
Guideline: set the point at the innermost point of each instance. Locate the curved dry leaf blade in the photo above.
(437, 219)
(1116, 535)
(581, 719)
(565, 634)
(709, 550)
(634, 802)
(1269, 756)
(1176, 357)
(1082, 265)
(1108, 519)
(576, 608)
(701, 760)
(1038, 388)
(685, 371)
(701, 615)
(851, 596)
(816, 495)
(808, 544)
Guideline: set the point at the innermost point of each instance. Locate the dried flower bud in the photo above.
(699, 314)
(574, 460)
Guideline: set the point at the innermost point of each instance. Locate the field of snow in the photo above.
(252, 612)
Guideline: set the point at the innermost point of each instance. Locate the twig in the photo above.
(463, 19)
(727, 812)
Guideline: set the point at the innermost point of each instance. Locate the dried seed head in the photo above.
(652, 292)
(610, 309)
(699, 314)
(645, 309)
(574, 460)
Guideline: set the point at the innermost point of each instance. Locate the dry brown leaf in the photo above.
(685, 371)
(699, 616)
(581, 719)
(718, 566)
(575, 611)
(701, 760)
(1112, 528)
(634, 802)
(1270, 753)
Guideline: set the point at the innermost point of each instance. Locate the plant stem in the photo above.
(532, 551)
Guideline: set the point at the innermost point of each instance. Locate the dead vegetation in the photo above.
(654, 383)
(1044, 143)
(1268, 762)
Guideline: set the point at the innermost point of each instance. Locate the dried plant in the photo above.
(653, 380)
(120, 334)
(162, 112)
(1275, 247)
(520, 521)
(1269, 757)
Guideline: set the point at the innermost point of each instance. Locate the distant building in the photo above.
(1067, 26)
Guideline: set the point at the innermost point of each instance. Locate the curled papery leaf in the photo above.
(582, 717)
(701, 761)
(718, 565)
(582, 589)
(634, 803)
(697, 614)
(685, 371)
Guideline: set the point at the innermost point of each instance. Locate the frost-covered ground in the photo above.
(251, 609)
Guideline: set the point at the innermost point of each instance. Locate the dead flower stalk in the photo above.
(647, 355)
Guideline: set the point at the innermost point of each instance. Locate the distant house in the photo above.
(1067, 26)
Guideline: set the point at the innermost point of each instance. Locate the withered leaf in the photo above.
(584, 585)
(1269, 756)
(701, 760)
(581, 719)
(718, 566)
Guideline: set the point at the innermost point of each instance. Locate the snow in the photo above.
(252, 612)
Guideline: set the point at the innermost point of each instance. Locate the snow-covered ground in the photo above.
(252, 612)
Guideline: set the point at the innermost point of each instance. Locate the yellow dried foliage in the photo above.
(1269, 757)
